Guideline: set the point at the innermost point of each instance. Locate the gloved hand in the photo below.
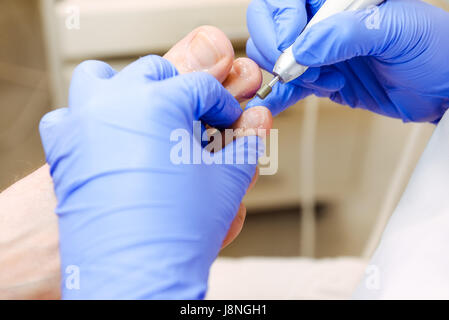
(391, 60)
(134, 222)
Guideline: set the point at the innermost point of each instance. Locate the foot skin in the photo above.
(208, 49)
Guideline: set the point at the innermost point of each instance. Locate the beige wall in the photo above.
(23, 92)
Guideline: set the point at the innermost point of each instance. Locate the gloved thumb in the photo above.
(206, 99)
(84, 77)
(289, 18)
(343, 36)
(239, 162)
(151, 67)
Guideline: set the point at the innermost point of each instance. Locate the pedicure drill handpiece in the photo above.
(286, 68)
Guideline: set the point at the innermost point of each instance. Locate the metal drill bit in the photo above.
(266, 89)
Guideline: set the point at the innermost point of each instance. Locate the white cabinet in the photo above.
(125, 29)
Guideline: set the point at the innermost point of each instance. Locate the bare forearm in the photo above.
(29, 257)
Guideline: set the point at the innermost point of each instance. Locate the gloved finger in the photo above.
(282, 97)
(239, 220)
(263, 30)
(255, 121)
(254, 54)
(313, 78)
(254, 181)
(290, 18)
(330, 79)
(333, 96)
(240, 161)
(236, 226)
(207, 99)
(274, 25)
(92, 70)
(48, 129)
(341, 37)
(151, 67)
(311, 75)
(313, 6)
(83, 78)
(53, 117)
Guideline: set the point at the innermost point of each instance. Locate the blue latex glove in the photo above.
(392, 61)
(136, 224)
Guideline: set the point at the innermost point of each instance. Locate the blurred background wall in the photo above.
(355, 154)
(24, 95)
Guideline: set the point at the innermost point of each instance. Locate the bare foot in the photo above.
(208, 49)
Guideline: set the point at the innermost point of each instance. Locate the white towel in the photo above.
(284, 278)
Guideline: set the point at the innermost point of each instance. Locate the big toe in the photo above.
(205, 49)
